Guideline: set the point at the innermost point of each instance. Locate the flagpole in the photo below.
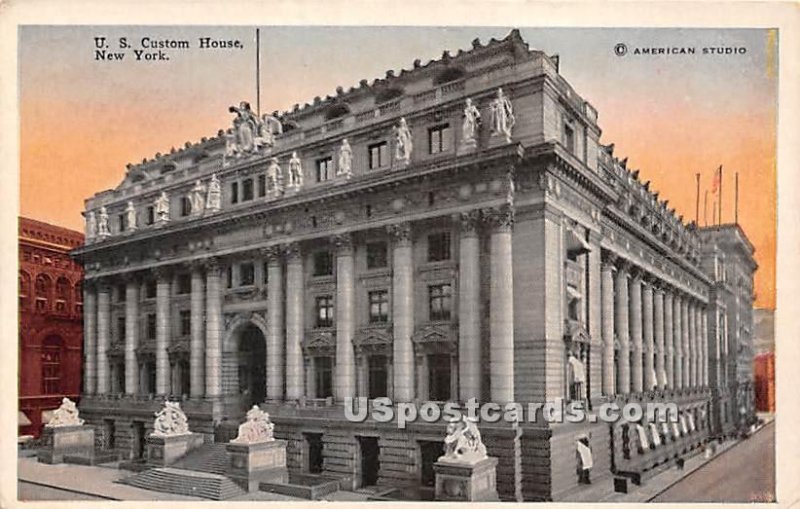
(705, 208)
(258, 72)
(697, 202)
(719, 221)
(736, 202)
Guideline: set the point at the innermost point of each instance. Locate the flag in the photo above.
(717, 180)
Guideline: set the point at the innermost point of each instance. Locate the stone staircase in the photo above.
(185, 482)
(209, 458)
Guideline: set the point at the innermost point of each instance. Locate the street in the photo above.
(745, 473)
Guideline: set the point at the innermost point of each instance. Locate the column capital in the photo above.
(343, 243)
(212, 266)
(131, 277)
(292, 251)
(271, 253)
(400, 233)
(637, 273)
(608, 260)
(469, 222)
(500, 218)
(162, 271)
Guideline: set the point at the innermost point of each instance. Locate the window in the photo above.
(121, 222)
(323, 263)
(569, 138)
(24, 289)
(379, 306)
(51, 365)
(150, 215)
(262, 186)
(121, 293)
(323, 383)
(234, 192)
(439, 377)
(229, 276)
(42, 287)
(151, 326)
(439, 301)
(247, 189)
(378, 155)
(325, 311)
(324, 169)
(439, 139)
(121, 328)
(247, 274)
(184, 285)
(378, 376)
(186, 206)
(150, 289)
(439, 247)
(186, 322)
(376, 255)
(266, 272)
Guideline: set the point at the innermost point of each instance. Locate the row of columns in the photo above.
(656, 333)
(284, 352)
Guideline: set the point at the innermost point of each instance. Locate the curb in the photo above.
(69, 490)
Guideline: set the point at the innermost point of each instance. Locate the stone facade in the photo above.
(438, 269)
(50, 314)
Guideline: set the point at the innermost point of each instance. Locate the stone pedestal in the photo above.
(165, 450)
(463, 482)
(66, 440)
(251, 464)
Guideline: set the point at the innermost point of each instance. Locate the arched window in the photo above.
(63, 290)
(42, 291)
(24, 290)
(51, 364)
(79, 297)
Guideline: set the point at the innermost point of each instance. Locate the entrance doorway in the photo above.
(370, 461)
(252, 365)
(108, 434)
(137, 450)
(315, 457)
(430, 451)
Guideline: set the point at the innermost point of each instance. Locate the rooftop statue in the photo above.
(469, 129)
(245, 127)
(170, 421)
(214, 200)
(463, 442)
(102, 225)
(130, 216)
(274, 178)
(162, 207)
(345, 167)
(403, 142)
(65, 415)
(267, 128)
(198, 198)
(256, 429)
(295, 172)
(502, 116)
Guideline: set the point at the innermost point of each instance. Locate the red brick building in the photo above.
(50, 321)
(764, 374)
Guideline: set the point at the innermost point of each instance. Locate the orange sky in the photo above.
(81, 120)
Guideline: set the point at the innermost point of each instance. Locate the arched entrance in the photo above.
(252, 364)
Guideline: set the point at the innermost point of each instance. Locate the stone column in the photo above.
(607, 282)
(275, 368)
(658, 315)
(621, 322)
(295, 383)
(677, 339)
(344, 383)
(163, 330)
(103, 338)
(635, 292)
(698, 345)
(213, 329)
(402, 311)
(131, 334)
(704, 326)
(669, 336)
(501, 307)
(90, 337)
(197, 341)
(691, 344)
(469, 316)
(647, 337)
(685, 339)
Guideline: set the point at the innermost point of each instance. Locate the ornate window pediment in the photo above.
(436, 338)
(320, 342)
(575, 331)
(178, 346)
(374, 340)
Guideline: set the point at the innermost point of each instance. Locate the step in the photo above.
(185, 482)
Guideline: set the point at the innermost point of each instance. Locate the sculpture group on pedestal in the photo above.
(249, 133)
(403, 143)
(170, 421)
(256, 429)
(65, 415)
(502, 116)
(463, 443)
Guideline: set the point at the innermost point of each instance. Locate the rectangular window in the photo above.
(439, 302)
(439, 247)
(378, 376)
(324, 169)
(150, 289)
(234, 192)
(184, 285)
(229, 277)
(121, 328)
(323, 263)
(186, 206)
(186, 322)
(151, 215)
(378, 155)
(121, 222)
(324, 305)
(379, 306)
(121, 293)
(247, 189)
(569, 138)
(377, 255)
(151, 326)
(51, 369)
(439, 139)
(247, 274)
(266, 273)
(323, 383)
(439, 372)
(262, 186)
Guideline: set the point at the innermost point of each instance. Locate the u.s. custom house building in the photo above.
(454, 230)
